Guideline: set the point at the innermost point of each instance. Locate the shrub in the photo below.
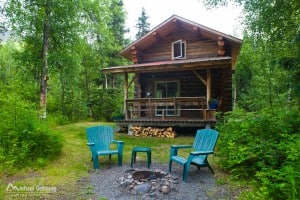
(264, 145)
(24, 138)
(108, 102)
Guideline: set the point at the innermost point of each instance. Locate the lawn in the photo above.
(67, 174)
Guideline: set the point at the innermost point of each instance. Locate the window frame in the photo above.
(182, 49)
(167, 109)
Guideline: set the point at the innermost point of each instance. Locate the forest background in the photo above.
(50, 74)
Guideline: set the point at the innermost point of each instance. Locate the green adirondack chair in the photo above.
(100, 139)
(204, 144)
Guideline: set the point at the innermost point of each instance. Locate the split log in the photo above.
(153, 132)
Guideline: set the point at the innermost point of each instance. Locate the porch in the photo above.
(172, 111)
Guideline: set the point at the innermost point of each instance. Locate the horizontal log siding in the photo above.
(222, 87)
(190, 85)
(200, 49)
(227, 96)
(196, 47)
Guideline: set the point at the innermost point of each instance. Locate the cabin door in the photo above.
(166, 90)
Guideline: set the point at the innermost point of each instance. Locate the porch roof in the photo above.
(171, 65)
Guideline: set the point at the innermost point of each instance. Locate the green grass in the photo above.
(72, 166)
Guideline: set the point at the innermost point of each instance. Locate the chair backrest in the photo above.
(101, 136)
(205, 140)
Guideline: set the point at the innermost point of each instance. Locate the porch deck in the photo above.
(167, 121)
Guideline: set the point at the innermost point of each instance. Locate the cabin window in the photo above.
(166, 90)
(178, 49)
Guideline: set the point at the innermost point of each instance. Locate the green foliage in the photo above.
(263, 80)
(25, 140)
(57, 118)
(108, 103)
(84, 37)
(142, 25)
(265, 145)
(272, 28)
(261, 142)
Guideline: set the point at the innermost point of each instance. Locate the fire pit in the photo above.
(153, 184)
(144, 175)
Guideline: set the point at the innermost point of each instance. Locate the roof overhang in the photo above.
(173, 65)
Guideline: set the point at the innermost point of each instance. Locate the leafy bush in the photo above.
(57, 118)
(107, 103)
(24, 138)
(264, 145)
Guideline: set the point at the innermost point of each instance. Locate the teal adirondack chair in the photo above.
(204, 144)
(99, 140)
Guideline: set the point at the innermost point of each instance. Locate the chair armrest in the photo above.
(90, 144)
(197, 153)
(175, 148)
(117, 141)
(181, 146)
(120, 145)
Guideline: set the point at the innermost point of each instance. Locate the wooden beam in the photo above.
(132, 80)
(221, 50)
(196, 29)
(134, 53)
(157, 36)
(201, 79)
(125, 95)
(177, 24)
(217, 62)
(106, 82)
(208, 35)
(208, 85)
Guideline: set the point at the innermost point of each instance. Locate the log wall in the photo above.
(191, 86)
(196, 47)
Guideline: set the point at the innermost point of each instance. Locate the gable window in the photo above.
(178, 49)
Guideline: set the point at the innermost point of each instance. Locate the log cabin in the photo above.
(176, 69)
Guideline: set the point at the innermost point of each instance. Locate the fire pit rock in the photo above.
(149, 184)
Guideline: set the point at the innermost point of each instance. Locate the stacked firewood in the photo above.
(153, 132)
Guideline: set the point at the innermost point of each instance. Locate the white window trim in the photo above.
(180, 42)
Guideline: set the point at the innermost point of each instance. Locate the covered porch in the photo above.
(189, 85)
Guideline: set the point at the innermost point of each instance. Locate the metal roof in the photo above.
(170, 65)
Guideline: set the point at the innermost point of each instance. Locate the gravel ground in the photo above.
(200, 185)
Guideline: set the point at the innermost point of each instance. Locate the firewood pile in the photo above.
(153, 132)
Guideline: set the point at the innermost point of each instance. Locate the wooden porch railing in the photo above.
(165, 107)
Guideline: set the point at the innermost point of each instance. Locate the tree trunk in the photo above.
(87, 87)
(63, 90)
(44, 71)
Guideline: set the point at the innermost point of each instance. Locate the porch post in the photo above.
(105, 81)
(208, 86)
(125, 95)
